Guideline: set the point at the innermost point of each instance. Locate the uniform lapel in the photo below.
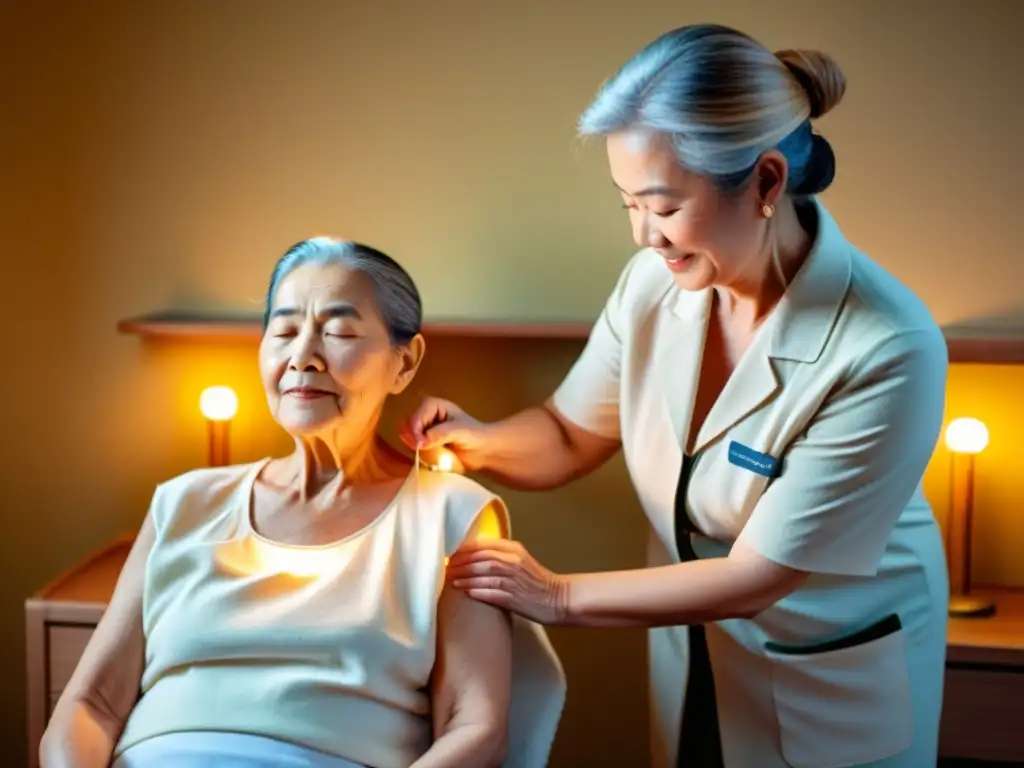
(751, 386)
(679, 354)
(808, 310)
(797, 330)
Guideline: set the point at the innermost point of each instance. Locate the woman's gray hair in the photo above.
(724, 100)
(396, 295)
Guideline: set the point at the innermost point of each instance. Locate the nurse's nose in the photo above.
(651, 234)
(655, 238)
(646, 232)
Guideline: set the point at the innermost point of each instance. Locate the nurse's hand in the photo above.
(440, 424)
(503, 573)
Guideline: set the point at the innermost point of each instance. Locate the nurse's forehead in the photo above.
(645, 165)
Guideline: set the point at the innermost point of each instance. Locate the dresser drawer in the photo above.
(981, 713)
(66, 644)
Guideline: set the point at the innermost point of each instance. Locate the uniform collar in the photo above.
(803, 320)
(797, 329)
(808, 309)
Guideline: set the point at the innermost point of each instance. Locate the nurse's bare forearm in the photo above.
(686, 593)
(538, 449)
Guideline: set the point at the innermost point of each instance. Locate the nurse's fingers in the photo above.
(495, 597)
(483, 568)
(495, 544)
(483, 582)
(485, 550)
(421, 430)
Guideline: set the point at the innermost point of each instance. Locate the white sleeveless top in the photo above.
(325, 647)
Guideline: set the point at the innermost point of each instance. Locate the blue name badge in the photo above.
(761, 463)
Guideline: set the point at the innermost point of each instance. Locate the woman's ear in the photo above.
(771, 174)
(409, 357)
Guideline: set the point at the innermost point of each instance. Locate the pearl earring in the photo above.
(767, 210)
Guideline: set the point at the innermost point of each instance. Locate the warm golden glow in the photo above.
(966, 436)
(489, 525)
(218, 403)
(253, 556)
(297, 562)
(445, 462)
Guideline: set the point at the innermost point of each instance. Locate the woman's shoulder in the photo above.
(453, 490)
(883, 330)
(199, 491)
(874, 310)
(883, 312)
(207, 481)
(463, 503)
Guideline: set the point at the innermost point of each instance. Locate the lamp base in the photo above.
(969, 607)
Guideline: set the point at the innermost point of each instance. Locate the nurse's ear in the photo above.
(771, 173)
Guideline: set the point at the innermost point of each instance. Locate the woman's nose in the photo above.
(647, 233)
(306, 356)
(309, 365)
(655, 237)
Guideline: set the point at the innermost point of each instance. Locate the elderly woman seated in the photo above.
(293, 612)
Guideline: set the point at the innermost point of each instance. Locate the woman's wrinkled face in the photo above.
(326, 358)
(706, 238)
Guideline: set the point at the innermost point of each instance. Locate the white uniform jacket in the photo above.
(813, 456)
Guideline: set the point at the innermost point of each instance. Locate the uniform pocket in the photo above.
(844, 702)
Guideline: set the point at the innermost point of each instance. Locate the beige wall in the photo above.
(163, 154)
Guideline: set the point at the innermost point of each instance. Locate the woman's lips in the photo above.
(678, 263)
(305, 393)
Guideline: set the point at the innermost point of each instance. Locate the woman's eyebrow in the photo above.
(342, 309)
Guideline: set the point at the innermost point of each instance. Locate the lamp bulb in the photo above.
(218, 403)
(966, 435)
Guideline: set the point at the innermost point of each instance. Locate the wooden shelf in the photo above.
(980, 345)
(966, 344)
(192, 325)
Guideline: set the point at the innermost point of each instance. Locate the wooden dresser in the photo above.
(59, 620)
(983, 703)
(984, 678)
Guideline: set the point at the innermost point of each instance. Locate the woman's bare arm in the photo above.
(472, 679)
(91, 712)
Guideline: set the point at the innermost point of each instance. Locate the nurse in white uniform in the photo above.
(777, 396)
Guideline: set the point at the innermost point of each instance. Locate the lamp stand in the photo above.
(962, 604)
(218, 451)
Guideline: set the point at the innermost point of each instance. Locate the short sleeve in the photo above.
(470, 506)
(844, 483)
(158, 510)
(589, 395)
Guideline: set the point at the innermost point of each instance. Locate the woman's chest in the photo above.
(368, 601)
(285, 517)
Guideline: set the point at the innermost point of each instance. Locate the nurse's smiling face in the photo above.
(706, 238)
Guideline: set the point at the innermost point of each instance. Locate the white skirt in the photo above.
(206, 749)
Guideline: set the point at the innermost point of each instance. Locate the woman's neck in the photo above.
(753, 298)
(320, 467)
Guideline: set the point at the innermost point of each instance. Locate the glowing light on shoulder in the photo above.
(254, 556)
